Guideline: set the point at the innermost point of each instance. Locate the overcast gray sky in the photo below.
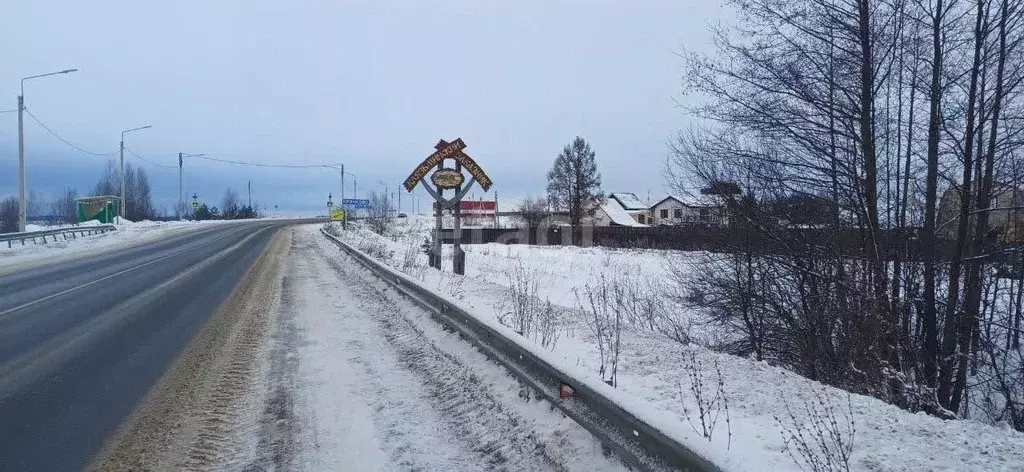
(367, 83)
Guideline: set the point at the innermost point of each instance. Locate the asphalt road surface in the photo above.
(81, 342)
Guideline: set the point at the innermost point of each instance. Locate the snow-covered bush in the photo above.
(820, 437)
(375, 249)
(602, 314)
(548, 326)
(709, 401)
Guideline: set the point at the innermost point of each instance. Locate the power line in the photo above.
(260, 164)
(225, 161)
(69, 143)
(149, 161)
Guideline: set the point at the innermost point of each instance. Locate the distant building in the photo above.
(631, 204)
(1006, 216)
(611, 213)
(674, 211)
(474, 212)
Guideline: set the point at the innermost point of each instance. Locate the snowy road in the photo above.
(82, 341)
(327, 370)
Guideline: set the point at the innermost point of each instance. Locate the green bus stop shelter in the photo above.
(100, 207)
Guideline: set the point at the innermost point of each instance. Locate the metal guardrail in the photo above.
(35, 236)
(638, 443)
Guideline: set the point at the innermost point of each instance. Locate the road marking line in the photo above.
(94, 282)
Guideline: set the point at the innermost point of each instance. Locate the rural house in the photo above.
(1007, 218)
(631, 204)
(611, 213)
(673, 210)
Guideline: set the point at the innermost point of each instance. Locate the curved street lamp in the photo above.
(122, 163)
(21, 144)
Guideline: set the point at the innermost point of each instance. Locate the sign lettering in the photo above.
(445, 150)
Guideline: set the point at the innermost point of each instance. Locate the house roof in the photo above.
(693, 202)
(617, 214)
(98, 198)
(629, 201)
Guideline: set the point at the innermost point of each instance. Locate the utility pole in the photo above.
(122, 178)
(21, 146)
(399, 199)
(21, 161)
(344, 209)
(181, 185)
(249, 184)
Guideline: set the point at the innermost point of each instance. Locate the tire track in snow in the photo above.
(278, 424)
(496, 436)
(225, 425)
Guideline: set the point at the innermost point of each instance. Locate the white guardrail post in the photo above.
(638, 443)
(73, 231)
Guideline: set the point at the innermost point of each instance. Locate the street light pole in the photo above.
(21, 160)
(21, 145)
(181, 184)
(344, 209)
(181, 181)
(122, 166)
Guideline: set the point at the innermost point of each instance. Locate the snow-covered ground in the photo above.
(380, 386)
(654, 372)
(127, 234)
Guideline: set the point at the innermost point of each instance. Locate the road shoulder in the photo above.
(189, 417)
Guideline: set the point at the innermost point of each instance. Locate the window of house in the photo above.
(678, 213)
(664, 214)
(640, 218)
(704, 213)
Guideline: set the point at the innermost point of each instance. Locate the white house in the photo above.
(637, 209)
(673, 210)
(611, 213)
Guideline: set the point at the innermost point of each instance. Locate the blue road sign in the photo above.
(356, 202)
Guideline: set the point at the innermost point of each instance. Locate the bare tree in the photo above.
(533, 211)
(109, 182)
(63, 207)
(183, 210)
(230, 204)
(9, 215)
(573, 182)
(903, 119)
(35, 205)
(380, 217)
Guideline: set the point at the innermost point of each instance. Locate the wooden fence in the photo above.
(708, 238)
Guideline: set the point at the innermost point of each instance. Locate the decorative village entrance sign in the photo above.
(448, 178)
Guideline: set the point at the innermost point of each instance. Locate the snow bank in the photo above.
(654, 381)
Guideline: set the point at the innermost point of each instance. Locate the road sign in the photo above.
(445, 178)
(356, 202)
